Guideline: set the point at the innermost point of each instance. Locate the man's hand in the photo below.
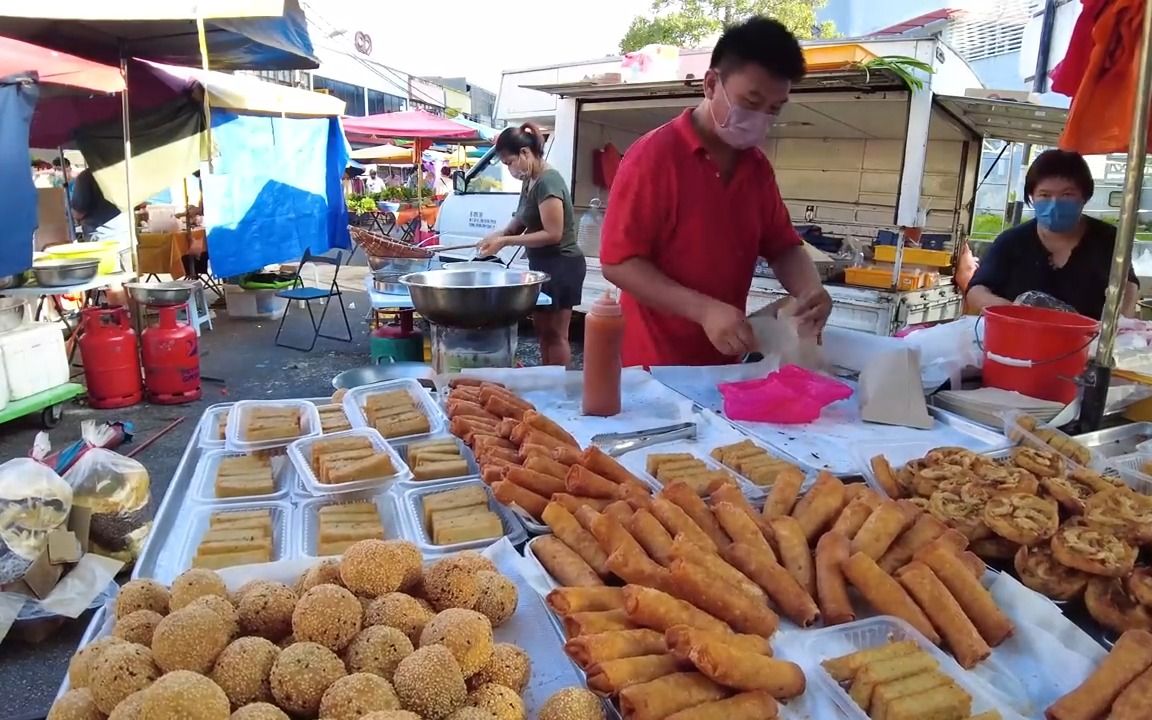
(812, 311)
(728, 329)
(491, 245)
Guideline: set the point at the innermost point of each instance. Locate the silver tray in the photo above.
(1119, 440)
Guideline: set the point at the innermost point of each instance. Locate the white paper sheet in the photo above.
(83, 583)
(10, 604)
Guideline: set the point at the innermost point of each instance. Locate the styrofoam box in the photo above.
(253, 304)
(35, 359)
(300, 453)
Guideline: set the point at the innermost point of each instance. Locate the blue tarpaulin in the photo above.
(18, 199)
(274, 191)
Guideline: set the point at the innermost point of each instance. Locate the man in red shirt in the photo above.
(695, 203)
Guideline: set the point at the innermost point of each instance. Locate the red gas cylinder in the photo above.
(111, 358)
(171, 355)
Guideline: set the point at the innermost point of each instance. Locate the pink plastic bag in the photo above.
(790, 395)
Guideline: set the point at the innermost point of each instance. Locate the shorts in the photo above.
(566, 284)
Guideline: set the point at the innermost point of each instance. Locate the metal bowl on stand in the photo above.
(387, 271)
(164, 294)
(357, 377)
(475, 299)
(59, 273)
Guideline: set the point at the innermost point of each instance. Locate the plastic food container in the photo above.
(833, 642)
(207, 435)
(1017, 435)
(386, 506)
(241, 411)
(637, 462)
(300, 451)
(1128, 467)
(465, 452)
(752, 490)
(204, 479)
(354, 400)
(198, 524)
(411, 507)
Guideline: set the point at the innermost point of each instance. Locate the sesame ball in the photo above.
(119, 671)
(195, 583)
(259, 711)
(370, 568)
(80, 666)
(301, 675)
(142, 595)
(497, 598)
(75, 705)
(377, 650)
(448, 583)
(326, 572)
(266, 610)
(469, 712)
(190, 639)
(328, 615)
(474, 562)
(354, 696)
(392, 715)
(131, 707)
(246, 588)
(137, 627)
(221, 607)
(502, 702)
(242, 670)
(403, 612)
(185, 695)
(572, 704)
(429, 683)
(509, 666)
(466, 633)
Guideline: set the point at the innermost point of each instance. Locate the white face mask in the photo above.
(742, 128)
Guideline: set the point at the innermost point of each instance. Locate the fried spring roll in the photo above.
(457, 408)
(563, 564)
(582, 481)
(505, 427)
(820, 506)
(573, 504)
(687, 551)
(539, 483)
(477, 422)
(831, 587)
(706, 591)
(632, 565)
(568, 600)
(466, 381)
(501, 463)
(605, 465)
(566, 455)
(741, 528)
(588, 623)
(527, 450)
(588, 650)
(694, 507)
(880, 530)
(784, 493)
(910, 509)
(756, 705)
(660, 611)
(570, 532)
(620, 510)
(658, 699)
(885, 594)
(1134, 702)
(974, 563)
(490, 390)
(729, 493)
(538, 437)
(885, 478)
(844, 668)
(953, 540)
(732, 668)
(499, 406)
(612, 676)
(677, 522)
(787, 595)
(611, 534)
(586, 515)
(512, 494)
(486, 453)
(926, 529)
(680, 638)
(977, 602)
(852, 518)
(860, 491)
(795, 554)
(487, 441)
(492, 475)
(651, 535)
(961, 636)
(544, 464)
(550, 427)
(1130, 658)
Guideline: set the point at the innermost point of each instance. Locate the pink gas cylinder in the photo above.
(171, 355)
(111, 358)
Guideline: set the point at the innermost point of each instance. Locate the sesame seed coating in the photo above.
(75, 705)
(466, 633)
(373, 567)
(130, 708)
(502, 702)
(301, 675)
(509, 666)
(119, 671)
(572, 704)
(326, 572)
(328, 615)
(242, 670)
(497, 597)
(221, 607)
(185, 695)
(266, 610)
(400, 611)
(469, 712)
(353, 696)
(190, 639)
(195, 583)
(450, 584)
(142, 595)
(137, 627)
(377, 650)
(392, 715)
(259, 711)
(80, 666)
(429, 683)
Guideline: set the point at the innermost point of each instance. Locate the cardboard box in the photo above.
(42, 576)
(80, 523)
(63, 547)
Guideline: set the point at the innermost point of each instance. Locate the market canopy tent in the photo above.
(418, 125)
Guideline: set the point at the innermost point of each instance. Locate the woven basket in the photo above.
(380, 246)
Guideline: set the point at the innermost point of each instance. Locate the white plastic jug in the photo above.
(588, 232)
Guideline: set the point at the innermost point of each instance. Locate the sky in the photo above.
(481, 40)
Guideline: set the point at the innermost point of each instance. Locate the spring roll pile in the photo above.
(1070, 532)
(1119, 689)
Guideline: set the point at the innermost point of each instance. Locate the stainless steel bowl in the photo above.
(389, 284)
(162, 294)
(11, 313)
(370, 374)
(7, 282)
(58, 273)
(401, 266)
(475, 299)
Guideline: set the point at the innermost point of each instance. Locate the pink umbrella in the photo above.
(57, 68)
(406, 125)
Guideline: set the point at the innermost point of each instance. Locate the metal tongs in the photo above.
(616, 444)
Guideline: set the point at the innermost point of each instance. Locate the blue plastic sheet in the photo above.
(18, 199)
(274, 191)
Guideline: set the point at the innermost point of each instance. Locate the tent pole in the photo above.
(202, 37)
(1099, 373)
(131, 210)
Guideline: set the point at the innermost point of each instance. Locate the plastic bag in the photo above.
(34, 501)
(1035, 298)
(790, 396)
(116, 489)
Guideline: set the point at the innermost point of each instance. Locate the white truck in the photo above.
(856, 151)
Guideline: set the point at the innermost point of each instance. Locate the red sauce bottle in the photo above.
(603, 335)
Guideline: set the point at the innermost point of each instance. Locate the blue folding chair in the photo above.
(300, 292)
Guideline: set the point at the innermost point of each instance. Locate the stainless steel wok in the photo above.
(475, 299)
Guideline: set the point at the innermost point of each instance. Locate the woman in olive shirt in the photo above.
(545, 225)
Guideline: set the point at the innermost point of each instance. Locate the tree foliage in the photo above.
(689, 22)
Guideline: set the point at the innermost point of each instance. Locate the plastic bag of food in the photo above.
(116, 489)
(34, 501)
(791, 395)
(1035, 298)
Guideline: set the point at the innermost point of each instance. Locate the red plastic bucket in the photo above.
(1036, 351)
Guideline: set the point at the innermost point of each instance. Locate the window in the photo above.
(352, 95)
(990, 28)
(382, 102)
(490, 176)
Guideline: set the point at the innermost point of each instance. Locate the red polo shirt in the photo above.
(669, 205)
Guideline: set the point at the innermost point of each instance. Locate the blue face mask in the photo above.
(1058, 214)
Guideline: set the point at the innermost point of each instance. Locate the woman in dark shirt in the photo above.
(1062, 252)
(545, 225)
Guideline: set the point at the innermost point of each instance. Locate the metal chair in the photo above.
(301, 293)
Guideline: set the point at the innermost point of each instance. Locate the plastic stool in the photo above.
(197, 308)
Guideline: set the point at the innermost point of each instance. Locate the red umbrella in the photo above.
(406, 125)
(57, 68)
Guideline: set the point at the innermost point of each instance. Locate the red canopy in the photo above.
(405, 125)
(57, 68)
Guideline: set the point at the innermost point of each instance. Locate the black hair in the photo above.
(56, 162)
(514, 139)
(1064, 164)
(761, 41)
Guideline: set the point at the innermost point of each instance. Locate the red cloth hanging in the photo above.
(1069, 72)
(1100, 120)
(605, 164)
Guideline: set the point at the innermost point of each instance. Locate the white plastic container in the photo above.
(386, 505)
(465, 452)
(204, 479)
(212, 415)
(177, 562)
(3, 386)
(355, 398)
(300, 451)
(34, 359)
(253, 304)
(411, 508)
(241, 411)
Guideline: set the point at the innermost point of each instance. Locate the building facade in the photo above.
(481, 102)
